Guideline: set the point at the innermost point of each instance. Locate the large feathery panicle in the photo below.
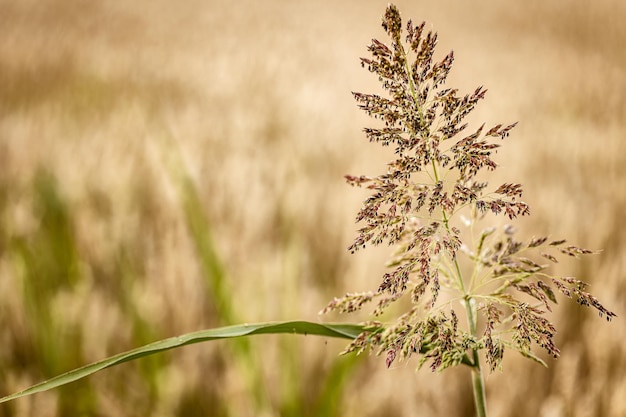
(414, 207)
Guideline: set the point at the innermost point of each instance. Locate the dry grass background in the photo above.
(171, 166)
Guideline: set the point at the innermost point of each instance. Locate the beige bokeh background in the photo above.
(136, 137)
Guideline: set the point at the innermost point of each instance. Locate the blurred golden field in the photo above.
(172, 166)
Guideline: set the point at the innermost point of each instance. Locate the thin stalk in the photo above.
(478, 384)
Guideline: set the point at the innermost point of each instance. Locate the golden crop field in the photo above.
(168, 166)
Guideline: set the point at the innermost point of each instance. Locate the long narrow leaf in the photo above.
(346, 331)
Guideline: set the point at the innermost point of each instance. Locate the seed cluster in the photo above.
(433, 176)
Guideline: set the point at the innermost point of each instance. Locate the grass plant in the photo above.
(432, 190)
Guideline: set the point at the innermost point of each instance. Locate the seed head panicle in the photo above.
(433, 176)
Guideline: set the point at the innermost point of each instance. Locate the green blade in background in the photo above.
(346, 331)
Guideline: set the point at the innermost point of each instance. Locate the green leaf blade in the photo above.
(345, 331)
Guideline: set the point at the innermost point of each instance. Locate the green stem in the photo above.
(478, 384)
